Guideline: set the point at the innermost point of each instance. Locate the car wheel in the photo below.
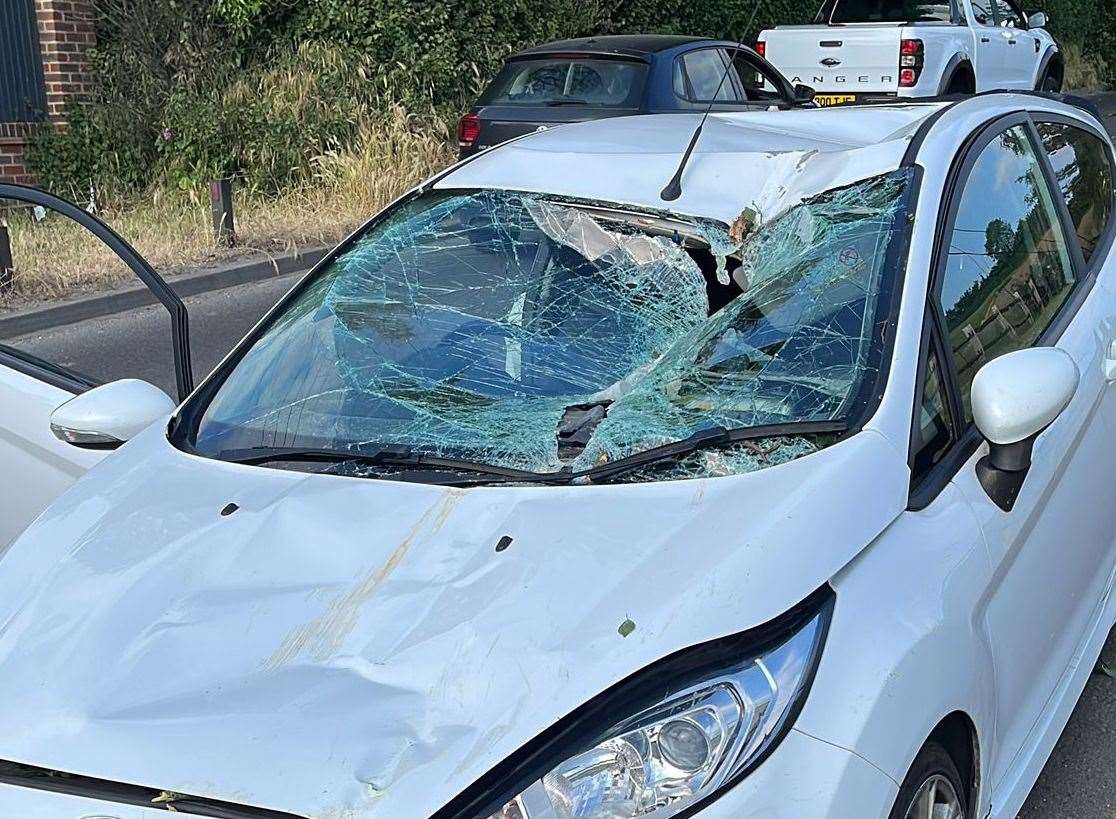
(932, 789)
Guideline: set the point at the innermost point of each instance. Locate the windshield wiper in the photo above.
(707, 439)
(566, 101)
(389, 456)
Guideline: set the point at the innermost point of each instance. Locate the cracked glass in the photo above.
(529, 333)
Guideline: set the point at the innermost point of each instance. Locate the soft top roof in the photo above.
(765, 160)
(630, 45)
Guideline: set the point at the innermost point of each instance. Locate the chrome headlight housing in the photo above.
(668, 739)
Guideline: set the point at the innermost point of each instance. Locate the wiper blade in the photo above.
(566, 101)
(708, 439)
(391, 456)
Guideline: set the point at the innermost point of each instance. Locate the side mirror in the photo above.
(1038, 20)
(1015, 397)
(107, 416)
(803, 94)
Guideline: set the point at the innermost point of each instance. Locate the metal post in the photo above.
(7, 267)
(221, 201)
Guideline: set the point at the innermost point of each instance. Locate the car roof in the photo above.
(764, 160)
(631, 45)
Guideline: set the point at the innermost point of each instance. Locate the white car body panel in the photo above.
(868, 55)
(344, 647)
(418, 641)
(35, 467)
(631, 164)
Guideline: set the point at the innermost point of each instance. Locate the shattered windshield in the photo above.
(525, 332)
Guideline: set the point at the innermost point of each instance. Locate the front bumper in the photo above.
(803, 779)
(806, 778)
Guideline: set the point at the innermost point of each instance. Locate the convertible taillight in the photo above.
(468, 129)
(910, 62)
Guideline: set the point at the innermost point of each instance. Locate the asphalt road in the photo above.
(1079, 781)
(136, 343)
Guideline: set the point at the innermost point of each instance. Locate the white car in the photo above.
(864, 50)
(539, 499)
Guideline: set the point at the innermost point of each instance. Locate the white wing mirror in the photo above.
(1015, 397)
(1038, 20)
(107, 416)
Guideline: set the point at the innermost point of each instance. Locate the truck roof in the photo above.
(767, 160)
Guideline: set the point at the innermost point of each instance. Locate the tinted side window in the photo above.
(982, 12)
(1008, 268)
(758, 85)
(705, 69)
(1084, 170)
(1008, 15)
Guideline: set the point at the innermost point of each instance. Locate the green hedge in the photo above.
(257, 88)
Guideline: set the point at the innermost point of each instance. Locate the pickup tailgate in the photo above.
(848, 59)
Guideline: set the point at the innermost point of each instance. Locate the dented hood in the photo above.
(341, 647)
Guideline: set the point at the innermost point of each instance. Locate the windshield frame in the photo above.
(183, 427)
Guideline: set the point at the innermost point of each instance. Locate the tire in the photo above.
(933, 767)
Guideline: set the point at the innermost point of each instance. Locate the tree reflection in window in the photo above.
(1009, 266)
(1084, 172)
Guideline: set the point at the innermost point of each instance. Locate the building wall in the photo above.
(66, 34)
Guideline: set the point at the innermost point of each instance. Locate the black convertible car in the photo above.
(575, 80)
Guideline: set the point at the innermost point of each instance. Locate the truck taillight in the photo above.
(468, 129)
(761, 48)
(911, 53)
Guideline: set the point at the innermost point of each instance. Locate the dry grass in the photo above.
(1084, 72)
(55, 257)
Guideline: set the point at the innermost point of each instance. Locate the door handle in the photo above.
(1011, 42)
(1110, 362)
(985, 40)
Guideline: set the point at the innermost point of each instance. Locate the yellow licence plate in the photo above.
(825, 100)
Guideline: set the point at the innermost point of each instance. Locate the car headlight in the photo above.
(699, 722)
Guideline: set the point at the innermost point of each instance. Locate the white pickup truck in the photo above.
(862, 50)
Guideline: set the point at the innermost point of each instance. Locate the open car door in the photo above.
(36, 466)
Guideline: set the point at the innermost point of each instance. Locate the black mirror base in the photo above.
(1001, 485)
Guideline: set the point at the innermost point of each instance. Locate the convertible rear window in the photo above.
(604, 83)
(516, 330)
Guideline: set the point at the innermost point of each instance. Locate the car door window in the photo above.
(1083, 167)
(982, 12)
(1008, 15)
(58, 249)
(704, 70)
(759, 84)
(1008, 267)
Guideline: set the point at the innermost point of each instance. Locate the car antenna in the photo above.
(673, 188)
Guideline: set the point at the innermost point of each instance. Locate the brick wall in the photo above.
(12, 137)
(65, 35)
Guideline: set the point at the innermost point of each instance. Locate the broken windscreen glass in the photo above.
(510, 329)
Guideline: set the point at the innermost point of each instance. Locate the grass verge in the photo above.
(54, 257)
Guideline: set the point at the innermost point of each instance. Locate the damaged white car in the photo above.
(544, 498)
